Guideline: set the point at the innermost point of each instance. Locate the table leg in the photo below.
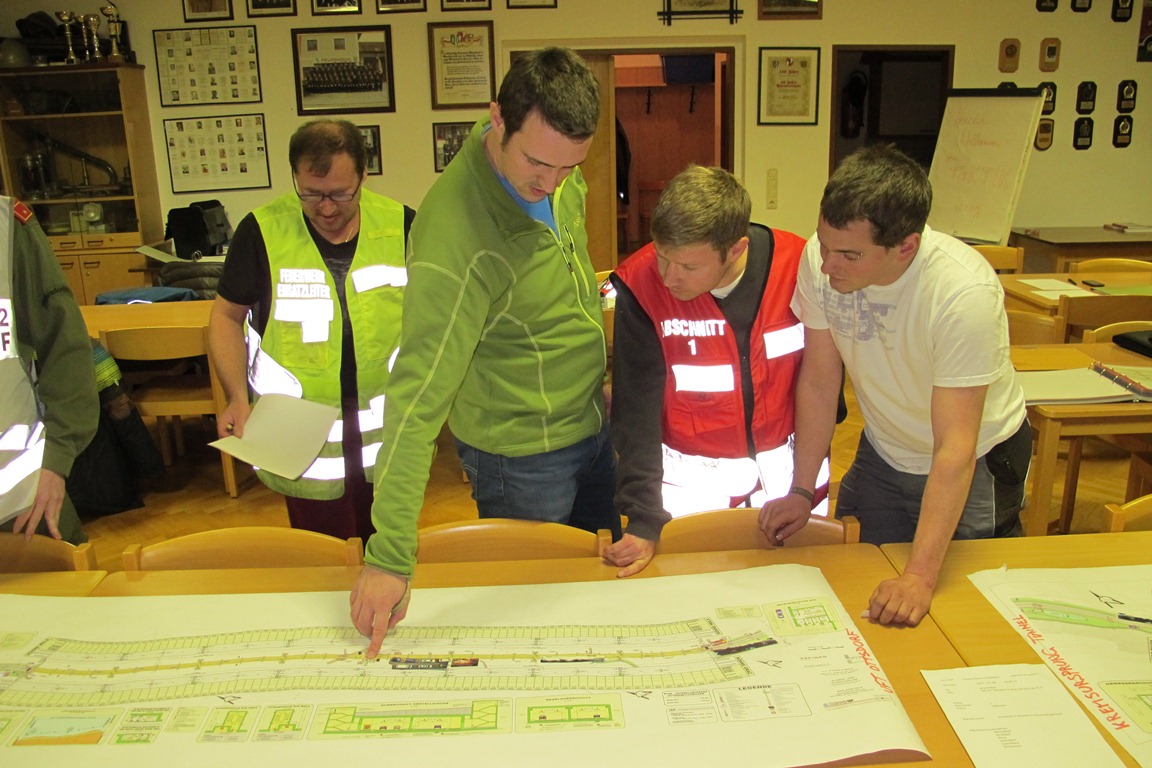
(1043, 472)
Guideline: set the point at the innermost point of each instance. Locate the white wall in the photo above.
(1064, 187)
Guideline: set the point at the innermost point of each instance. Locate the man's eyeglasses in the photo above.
(336, 197)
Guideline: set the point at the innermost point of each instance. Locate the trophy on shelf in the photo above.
(66, 18)
(93, 23)
(114, 27)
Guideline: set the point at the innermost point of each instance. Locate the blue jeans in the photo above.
(887, 501)
(572, 485)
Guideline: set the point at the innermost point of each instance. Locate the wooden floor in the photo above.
(191, 496)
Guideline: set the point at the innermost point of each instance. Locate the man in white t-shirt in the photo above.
(917, 319)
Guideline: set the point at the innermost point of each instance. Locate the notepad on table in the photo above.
(1098, 383)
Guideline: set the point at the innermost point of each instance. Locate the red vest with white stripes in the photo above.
(703, 394)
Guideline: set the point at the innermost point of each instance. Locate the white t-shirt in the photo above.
(941, 324)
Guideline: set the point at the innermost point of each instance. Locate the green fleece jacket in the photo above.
(502, 334)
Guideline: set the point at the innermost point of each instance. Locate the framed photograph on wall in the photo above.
(261, 8)
(207, 65)
(207, 10)
(343, 69)
(790, 9)
(400, 6)
(462, 64)
(324, 7)
(447, 138)
(789, 92)
(219, 152)
(465, 5)
(371, 135)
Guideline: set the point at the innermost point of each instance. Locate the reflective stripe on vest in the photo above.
(700, 483)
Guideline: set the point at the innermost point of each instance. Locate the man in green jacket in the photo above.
(502, 333)
(47, 382)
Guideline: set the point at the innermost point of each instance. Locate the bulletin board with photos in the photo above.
(207, 65)
(214, 153)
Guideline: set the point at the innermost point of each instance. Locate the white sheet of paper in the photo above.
(283, 435)
(1017, 714)
(165, 251)
(1055, 295)
(1050, 284)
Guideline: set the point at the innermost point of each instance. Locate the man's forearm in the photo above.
(229, 351)
(945, 495)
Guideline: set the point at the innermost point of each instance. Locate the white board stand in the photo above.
(981, 157)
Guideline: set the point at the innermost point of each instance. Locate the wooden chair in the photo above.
(1084, 312)
(1110, 265)
(1135, 515)
(1106, 332)
(171, 397)
(43, 553)
(1003, 258)
(1034, 328)
(466, 541)
(739, 528)
(244, 547)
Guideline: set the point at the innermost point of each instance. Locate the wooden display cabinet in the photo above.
(76, 146)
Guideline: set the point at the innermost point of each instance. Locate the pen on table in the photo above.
(1130, 617)
(1072, 281)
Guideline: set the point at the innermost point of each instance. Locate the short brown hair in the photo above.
(702, 205)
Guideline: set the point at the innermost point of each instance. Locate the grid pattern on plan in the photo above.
(74, 673)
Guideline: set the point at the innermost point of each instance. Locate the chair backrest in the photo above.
(1034, 328)
(160, 343)
(504, 539)
(1083, 312)
(739, 528)
(244, 547)
(1106, 332)
(43, 553)
(1136, 515)
(1110, 265)
(1003, 258)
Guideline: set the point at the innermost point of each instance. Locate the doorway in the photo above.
(661, 109)
(676, 106)
(890, 94)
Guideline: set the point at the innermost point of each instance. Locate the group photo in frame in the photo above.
(263, 8)
(324, 7)
(447, 139)
(790, 9)
(462, 63)
(789, 86)
(343, 69)
(371, 134)
(401, 6)
(207, 10)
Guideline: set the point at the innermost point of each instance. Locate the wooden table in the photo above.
(51, 583)
(852, 570)
(1052, 422)
(103, 317)
(1019, 295)
(1050, 249)
(975, 628)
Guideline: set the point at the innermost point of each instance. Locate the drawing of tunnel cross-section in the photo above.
(64, 672)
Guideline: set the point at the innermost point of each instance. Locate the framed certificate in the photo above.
(789, 92)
